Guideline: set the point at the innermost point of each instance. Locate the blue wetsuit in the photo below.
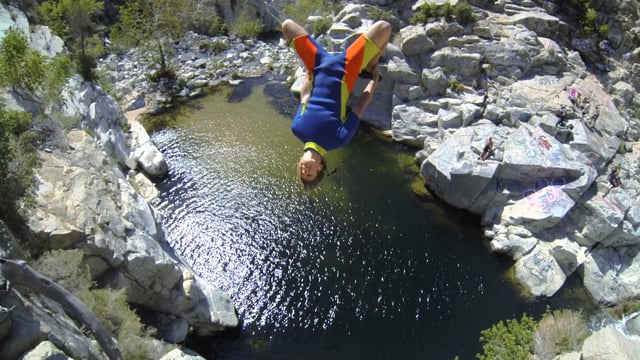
(323, 123)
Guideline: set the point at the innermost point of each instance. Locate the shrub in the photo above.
(215, 46)
(559, 332)
(67, 268)
(456, 86)
(628, 305)
(424, 13)
(461, 12)
(17, 159)
(157, 75)
(206, 19)
(246, 28)
(512, 340)
(20, 67)
(112, 308)
(248, 24)
(603, 31)
(322, 25)
(379, 14)
(300, 11)
(58, 71)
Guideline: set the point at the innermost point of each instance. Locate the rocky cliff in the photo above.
(87, 198)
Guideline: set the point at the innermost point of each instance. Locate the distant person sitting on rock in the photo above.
(614, 179)
(606, 47)
(594, 116)
(575, 97)
(322, 121)
(488, 150)
(562, 116)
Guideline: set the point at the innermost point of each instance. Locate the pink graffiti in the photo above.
(543, 142)
(545, 198)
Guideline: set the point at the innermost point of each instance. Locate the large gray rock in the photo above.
(454, 171)
(181, 354)
(514, 241)
(610, 344)
(509, 57)
(45, 42)
(462, 63)
(412, 126)
(45, 350)
(539, 272)
(120, 235)
(12, 18)
(612, 274)
(415, 41)
(434, 81)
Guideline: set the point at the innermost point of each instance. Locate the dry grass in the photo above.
(559, 332)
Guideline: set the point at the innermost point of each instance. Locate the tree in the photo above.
(76, 21)
(512, 340)
(21, 68)
(27, 72)
(153, 25)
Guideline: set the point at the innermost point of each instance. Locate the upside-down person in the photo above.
(322, 121)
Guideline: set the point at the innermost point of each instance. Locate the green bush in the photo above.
(322, 25)
(379, 14)
(67, 268)
(24, 69)
(299, 11)
(86, 67)
(587, 17)
(21, 68)
(76, 22)
(216, 46)
(246, 28)
(206, 19)
(58, 70)
(17, 159)
(157, 75)
(112, 308)
(559, 332)
(461, 12)
(628, 305)
(603, 31)
(510, 340)
(456, 85)
(248, 24)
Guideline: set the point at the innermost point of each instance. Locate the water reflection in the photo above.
(359, 269)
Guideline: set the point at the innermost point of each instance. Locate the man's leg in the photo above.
(291, 30)
(379, 33)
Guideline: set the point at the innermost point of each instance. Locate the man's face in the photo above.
(308, 169)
